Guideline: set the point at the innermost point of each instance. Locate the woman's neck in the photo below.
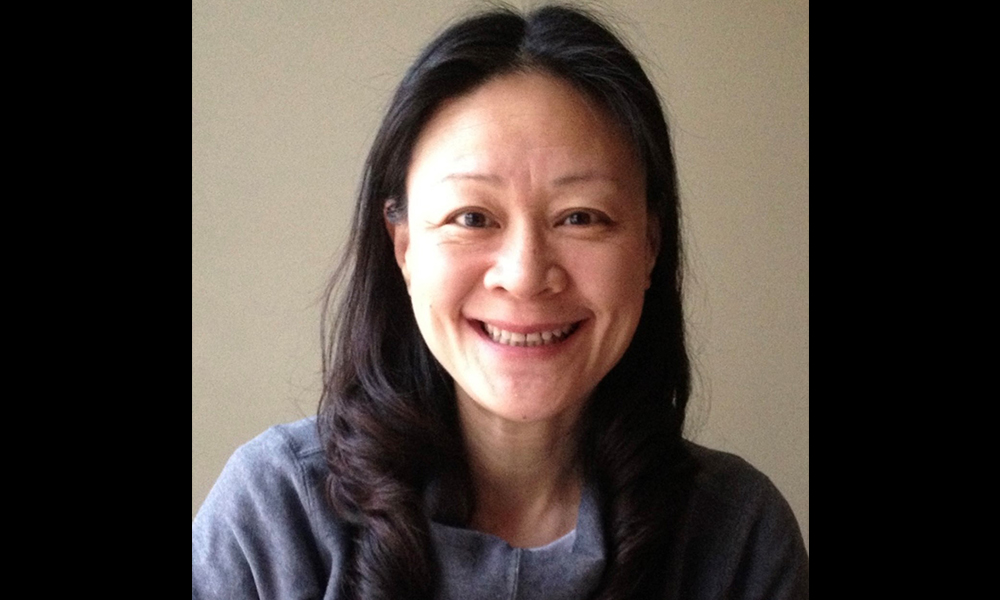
(526, 476)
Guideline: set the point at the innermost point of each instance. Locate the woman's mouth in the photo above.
(535, 338)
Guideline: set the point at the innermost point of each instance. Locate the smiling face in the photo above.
(526, 246)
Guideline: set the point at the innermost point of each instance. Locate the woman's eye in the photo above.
(473, 219)
(583, 218)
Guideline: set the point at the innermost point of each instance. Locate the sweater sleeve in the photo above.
(262, 532)
(742, 541)
(773, 564)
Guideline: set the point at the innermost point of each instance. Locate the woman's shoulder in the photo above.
(265, 525)
(729, 478)
(741, 532)
(284, 445)
(283, 463)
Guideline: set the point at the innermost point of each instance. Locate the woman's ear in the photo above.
(399, 233)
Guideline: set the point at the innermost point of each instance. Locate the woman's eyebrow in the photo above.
(585, 177)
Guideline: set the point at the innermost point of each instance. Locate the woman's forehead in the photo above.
(523, 125)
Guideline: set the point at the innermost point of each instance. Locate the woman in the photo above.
(506, 379)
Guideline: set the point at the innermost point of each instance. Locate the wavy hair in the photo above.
(388, 417)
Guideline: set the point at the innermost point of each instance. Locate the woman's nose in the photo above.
(526, 265)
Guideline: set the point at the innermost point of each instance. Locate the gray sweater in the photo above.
(265, 531)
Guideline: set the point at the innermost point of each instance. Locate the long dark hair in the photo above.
(388, 417)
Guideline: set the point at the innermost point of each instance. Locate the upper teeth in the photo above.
(539, 338)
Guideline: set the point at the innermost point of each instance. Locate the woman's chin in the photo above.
(521, 404)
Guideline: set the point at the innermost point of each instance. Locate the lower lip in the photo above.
(533, 351)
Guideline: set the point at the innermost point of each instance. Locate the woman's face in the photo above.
(526, 246)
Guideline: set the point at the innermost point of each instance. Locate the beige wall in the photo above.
(286, 98)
